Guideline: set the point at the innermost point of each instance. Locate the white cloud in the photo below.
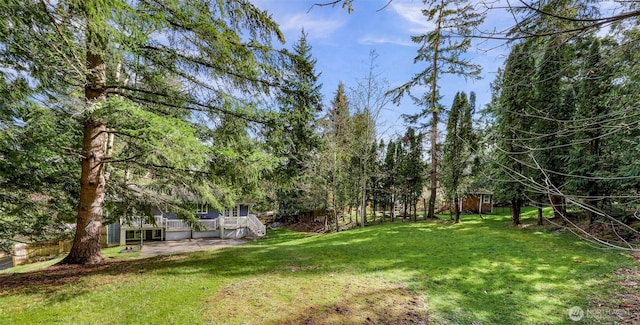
(317, 28)
(373, 39)
(411, 13)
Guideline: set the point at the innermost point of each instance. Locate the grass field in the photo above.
(476, 272)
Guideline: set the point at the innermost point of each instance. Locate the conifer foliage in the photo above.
(295, 138)
(134, 76)
(459, 152)
(442, 50)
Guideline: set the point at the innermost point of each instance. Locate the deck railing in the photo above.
(177, 224)
(233, 222)
(251, 222)
(210, 224)
(256, 226)
(144, 222)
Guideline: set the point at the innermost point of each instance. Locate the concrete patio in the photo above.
(154, 248)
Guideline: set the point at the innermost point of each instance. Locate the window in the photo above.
(133, 234)
(233, 212)
(486, 198)
(157, 234)
(203, 208)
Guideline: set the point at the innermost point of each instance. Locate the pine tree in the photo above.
(299, 102)
(509, 105)
(459, 151)
(586, 158)
(391, 176)
(413, 170)
(340, 116)
(551, 111)
(335, 153)
(122, 69)
(442, 50)
(38, 178)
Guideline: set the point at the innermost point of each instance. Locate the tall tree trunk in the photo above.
(335, 210)
(540, 217)
(434, 119)
(405, 204)
(375, 205)
(86, 243)
(415, 210)
(424, 207)
(593, 202)
(456, 208)
(434, 163)
(393, 204)
(515, 211)
(364, 200)
(557, 203)
(594, 191)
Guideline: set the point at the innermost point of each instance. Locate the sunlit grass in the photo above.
(481, 270)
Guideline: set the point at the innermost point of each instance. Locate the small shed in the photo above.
(478, 201)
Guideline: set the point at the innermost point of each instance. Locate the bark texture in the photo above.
(87, 242)
(516, 205)
(456, 209)
(434, 122)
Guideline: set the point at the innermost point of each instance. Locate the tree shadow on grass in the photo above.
(51, 281)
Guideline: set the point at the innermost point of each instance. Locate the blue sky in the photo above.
(342, 42)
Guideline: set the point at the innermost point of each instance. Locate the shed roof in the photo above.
(481, 191)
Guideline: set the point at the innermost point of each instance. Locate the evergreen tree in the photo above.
(38, 178)
(459, 152)
(335, 153)
(140, 72)
(340, 117)
(413, 170)
(296, 136)
(391, 176)
(511, 99)
(586, 157)
(551, 111)
(340, 121)
(442, 50)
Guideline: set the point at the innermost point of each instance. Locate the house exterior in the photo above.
(479, 201)
(235, 223)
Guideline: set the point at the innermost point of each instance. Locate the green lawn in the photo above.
(479, 271)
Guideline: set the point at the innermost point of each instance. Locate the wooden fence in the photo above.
(34, 252)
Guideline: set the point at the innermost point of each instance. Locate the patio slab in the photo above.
(154, 248)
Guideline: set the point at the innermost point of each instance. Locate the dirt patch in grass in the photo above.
(340, 299)
(313, 226)
(631, 293)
